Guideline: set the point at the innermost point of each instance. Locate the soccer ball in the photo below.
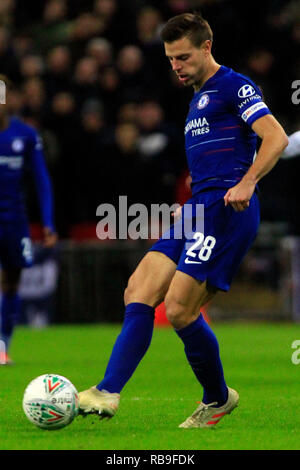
(50, 401)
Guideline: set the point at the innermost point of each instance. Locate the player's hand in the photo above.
(50, 237)
(239, 195)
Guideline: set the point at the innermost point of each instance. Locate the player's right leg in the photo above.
(146, 289)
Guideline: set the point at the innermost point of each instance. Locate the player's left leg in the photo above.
(183, 302)
(185, 297)
(10, 309)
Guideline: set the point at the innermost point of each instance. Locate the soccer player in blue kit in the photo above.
(20, 150)
(225, 116)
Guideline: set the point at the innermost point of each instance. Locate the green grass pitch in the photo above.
(162, 392)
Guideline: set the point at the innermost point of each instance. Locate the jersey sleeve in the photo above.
(42, 180)
(246, 99)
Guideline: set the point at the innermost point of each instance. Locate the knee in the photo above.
(143, 291)
(178, 314)
(130, 289)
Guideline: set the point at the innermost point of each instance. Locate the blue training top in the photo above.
(21, 148)
(220, 144)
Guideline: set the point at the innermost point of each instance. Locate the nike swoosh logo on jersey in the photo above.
(189, 261)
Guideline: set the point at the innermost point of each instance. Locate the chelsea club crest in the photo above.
(204, 100)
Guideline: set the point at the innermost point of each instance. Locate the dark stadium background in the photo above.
(92, 77)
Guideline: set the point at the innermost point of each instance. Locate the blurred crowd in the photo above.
(91, 76)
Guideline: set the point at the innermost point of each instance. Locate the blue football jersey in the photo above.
(220, 143)
(21, 149)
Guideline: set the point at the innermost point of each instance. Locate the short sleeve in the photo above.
(246, 99)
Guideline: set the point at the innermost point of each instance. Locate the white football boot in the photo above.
(103, 403)
(205, 416)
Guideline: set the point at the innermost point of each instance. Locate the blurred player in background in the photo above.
(293, 148)
(226, 114)
(20, 150)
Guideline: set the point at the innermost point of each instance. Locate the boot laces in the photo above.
(202, 409)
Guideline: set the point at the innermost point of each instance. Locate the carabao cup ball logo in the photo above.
(204, 100)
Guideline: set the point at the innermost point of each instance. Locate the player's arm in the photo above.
(44, 191)
(273, 142)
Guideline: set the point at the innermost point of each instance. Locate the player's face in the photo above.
(187, 61)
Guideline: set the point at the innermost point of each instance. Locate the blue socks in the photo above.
(201, 348)
(202, 352)
(10, 313)
(130, 347)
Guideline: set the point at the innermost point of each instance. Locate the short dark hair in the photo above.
(190, 25)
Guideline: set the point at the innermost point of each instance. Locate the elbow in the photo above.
(277, 139)
(284, 141)
(280, 142)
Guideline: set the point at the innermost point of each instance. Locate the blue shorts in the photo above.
(15, 244)
(210, 240)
